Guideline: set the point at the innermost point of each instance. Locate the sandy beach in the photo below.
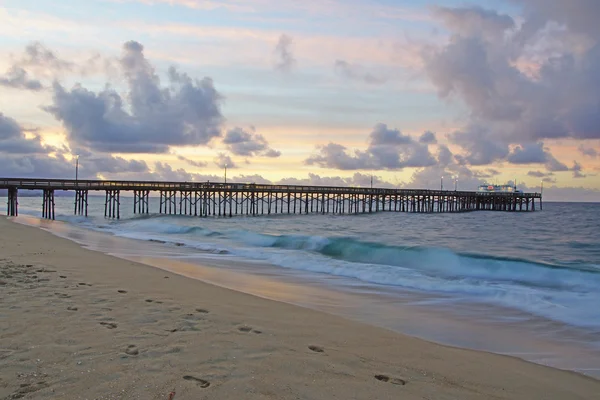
(78, 324)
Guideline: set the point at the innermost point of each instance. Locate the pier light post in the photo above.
(442, 184)
(226, 173)
(455, 183)
(76, 166)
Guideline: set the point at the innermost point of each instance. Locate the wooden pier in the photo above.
(203, 199)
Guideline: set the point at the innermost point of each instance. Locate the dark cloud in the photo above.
(535, 153)
(388, 149)
(539, 174)
(36, 166)
(428, 137)
(588, 151)
(150, 120)
(248, 143)
(222, 160)
(17, 77)
(522, 82)
(285, 60)
(445, 156)
(577, 170)
(355, 72)
(482, 146)
(102, 164)
(192, 162)
(14, 142)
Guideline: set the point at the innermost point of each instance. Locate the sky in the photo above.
(411, 94)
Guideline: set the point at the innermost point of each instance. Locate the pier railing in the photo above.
(228, 199)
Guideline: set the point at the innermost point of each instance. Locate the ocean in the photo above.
(521, 284)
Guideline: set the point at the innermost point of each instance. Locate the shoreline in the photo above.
(243, 347)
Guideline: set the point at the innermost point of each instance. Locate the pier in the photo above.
(204, 199)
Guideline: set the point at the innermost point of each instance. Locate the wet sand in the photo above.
(77, 324)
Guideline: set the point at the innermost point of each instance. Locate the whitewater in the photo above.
(523, 272)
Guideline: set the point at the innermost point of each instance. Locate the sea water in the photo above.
(526, 284)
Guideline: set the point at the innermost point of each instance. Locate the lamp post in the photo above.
(371, 181)
(442, 183)
(225, 173)
(456, 183)
(76, 166)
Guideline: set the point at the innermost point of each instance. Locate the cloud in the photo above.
(251, 179)
(388, 149)
(14, 142)
(577, 170)
(535, 153)
(222, 160)
(481, 145)
(285, 60)
(428, 137)
(248, 143)
(192, 162)
(36, 59)
(481, 64)
(588, 151)
(28, 157)
(539, 174)
(37, 55)
(355, 72)
(17, 77)
(150, 119)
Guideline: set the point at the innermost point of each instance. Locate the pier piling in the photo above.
(81, 202)
(48, 204)
(13, 202)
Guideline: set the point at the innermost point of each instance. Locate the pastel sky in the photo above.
(308, 92)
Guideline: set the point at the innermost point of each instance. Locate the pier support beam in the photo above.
(48, 204)
(112, 204)
(13, 202)
(168, 202)
(81, 202)
(140, 201)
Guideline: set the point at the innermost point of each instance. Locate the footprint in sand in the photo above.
(395, 381)
(149, 300)
(63, 277)
(122, 291)
(63, 295)
(132, 350)
(201, 382)
(72, 308)
(109, 325)
(202, 310)
(247, 329)
(316, 349)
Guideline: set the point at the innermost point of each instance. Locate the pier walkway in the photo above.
(205, 199)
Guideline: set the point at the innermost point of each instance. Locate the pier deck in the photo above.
(229, 199)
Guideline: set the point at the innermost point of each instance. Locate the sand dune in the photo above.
(76, 324)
